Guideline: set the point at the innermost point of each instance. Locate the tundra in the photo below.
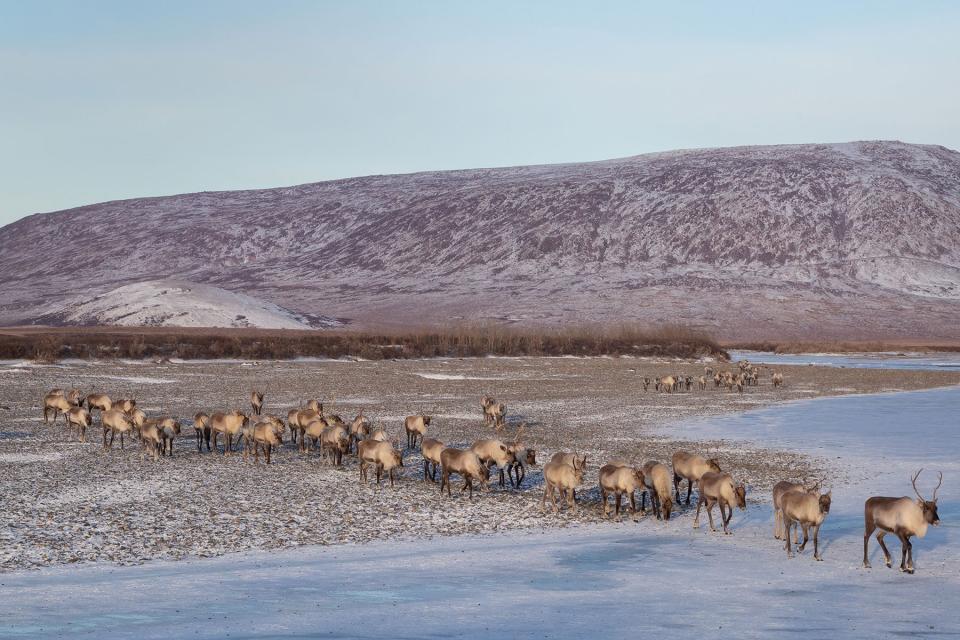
(618, 480)
(689, 467)
(466, 464)
(718, 489)
(903, 517)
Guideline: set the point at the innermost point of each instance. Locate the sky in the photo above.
(105, 100)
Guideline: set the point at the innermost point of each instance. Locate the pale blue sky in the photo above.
(108, 100)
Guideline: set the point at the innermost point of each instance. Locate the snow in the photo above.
(655, 238)
(27, 458)
(181, 304)
(454, 376)
(134, 379)
(627, 579)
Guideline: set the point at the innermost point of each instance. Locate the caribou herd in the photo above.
(796, 505)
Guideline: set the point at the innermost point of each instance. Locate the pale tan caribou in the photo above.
(718, 489)
(903, 517)
(560, 476)
(464, 463)
(690, 467)
(618, 479)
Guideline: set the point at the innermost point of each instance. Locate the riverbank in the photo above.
(67, 502)
(572, 582)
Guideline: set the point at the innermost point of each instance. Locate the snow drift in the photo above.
(164, 303)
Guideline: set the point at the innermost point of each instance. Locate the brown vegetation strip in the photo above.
(49, 344)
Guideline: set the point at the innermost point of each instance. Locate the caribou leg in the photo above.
(886, 552)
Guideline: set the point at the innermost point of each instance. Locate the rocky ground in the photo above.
(66, 501)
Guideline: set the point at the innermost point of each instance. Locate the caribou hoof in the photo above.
(818, 558)
(866, 565)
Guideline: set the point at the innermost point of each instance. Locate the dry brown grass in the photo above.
(54, 343)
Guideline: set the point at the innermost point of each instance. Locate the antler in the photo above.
(913, 481)
(516, 438)
(938, 487)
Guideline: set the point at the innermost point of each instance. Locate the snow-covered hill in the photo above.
(854, 240)
(162, 303)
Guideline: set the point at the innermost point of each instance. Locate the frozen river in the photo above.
(925, 361)
(614, 581)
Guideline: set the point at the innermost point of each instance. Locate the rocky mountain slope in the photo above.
(856, 240)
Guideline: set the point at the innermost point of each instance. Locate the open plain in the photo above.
(69, 502)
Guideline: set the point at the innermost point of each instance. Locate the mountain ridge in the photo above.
(704, 237)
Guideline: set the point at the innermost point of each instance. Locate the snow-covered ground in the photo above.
(172, 303)
(609, 580)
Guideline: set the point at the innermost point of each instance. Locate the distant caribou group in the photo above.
(796, 505)
(748, 375)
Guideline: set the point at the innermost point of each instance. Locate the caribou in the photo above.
(779, 490)
(382, 455)
(256, 402)
(618, 480)
(806, 510)
(495, 452)
(690, 467)
(560, 476)
(415, 427)
(903, 517)
(467, 465)
(718, 489)
(656, 481)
